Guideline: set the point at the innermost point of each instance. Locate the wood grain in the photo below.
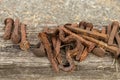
(21, 65)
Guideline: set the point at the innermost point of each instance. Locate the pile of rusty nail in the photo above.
(16, 31)
(73, 42)
(67, 43)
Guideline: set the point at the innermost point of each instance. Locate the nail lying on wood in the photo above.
(88, 33)
(46, 43)
(113, 49)
(16, 34)
(24, 44)
(8, 28)
(56, 43)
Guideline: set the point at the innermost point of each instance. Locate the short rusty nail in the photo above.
(16, 34)
(88, 33)
(8, 28)
(43, 37)
(24, 44)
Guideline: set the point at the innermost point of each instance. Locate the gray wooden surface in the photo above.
(21, 65)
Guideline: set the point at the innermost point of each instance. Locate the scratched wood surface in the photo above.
(16, 64)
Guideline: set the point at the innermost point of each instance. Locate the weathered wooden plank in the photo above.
(91, 63)
(47, 73)
(15, 62)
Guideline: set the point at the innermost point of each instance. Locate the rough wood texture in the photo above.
(21, 65)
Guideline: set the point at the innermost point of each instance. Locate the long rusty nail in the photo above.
(88, 33)
(16, 34)
(113, 49)
(8, 28)
(24, 44)
(43, 37)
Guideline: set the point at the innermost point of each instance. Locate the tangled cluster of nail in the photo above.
(64, 44)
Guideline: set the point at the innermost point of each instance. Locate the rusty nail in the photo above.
(113, 49)
(115, 25)
(8, 28)
(16, 34)
(44, 39)
(88, 33)
(24, 44)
